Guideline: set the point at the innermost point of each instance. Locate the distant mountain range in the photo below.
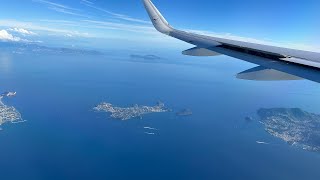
(22, 48)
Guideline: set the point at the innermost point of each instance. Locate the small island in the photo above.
(130, 112)
(184, 112)
(145, 57)
(294, 126)
(8, 113)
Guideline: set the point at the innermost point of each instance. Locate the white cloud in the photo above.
(22, 31)
(63, 27)
(65, 11)
(120, 26)
(52, 4)
(61, 8)
(116, 15)
(128, 18)
(86, 1)
(5, 36)
(42, 27)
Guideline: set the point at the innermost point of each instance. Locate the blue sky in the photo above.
(118, 23)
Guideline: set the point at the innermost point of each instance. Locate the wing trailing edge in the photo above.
(261, 73)
(198, 51)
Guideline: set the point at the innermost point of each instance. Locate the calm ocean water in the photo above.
(64, 139)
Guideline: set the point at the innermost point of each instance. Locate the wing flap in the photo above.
(261, 73)
(198, 51)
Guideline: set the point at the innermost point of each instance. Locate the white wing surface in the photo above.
(238, 49)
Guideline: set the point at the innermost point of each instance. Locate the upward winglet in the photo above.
(157, 19)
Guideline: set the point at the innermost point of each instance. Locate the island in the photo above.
(294, 126)
(8, 113)
(145, 57)
(127, 113)
(184, 112)
(248, 119)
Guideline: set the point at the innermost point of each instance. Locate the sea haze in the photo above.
(64, 138)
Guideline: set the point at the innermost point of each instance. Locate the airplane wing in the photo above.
(263, 55)
(261, 73)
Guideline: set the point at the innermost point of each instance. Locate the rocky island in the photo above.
(184, 112)
(130, 112)
(294, 126)
(8, 113)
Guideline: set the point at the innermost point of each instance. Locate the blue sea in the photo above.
(63, 138)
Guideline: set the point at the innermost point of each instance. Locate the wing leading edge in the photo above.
(238, 49)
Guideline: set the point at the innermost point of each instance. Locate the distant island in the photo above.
(294, 126)
(184, 112)
(8, 113)
(130, 112)
(145, 57)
